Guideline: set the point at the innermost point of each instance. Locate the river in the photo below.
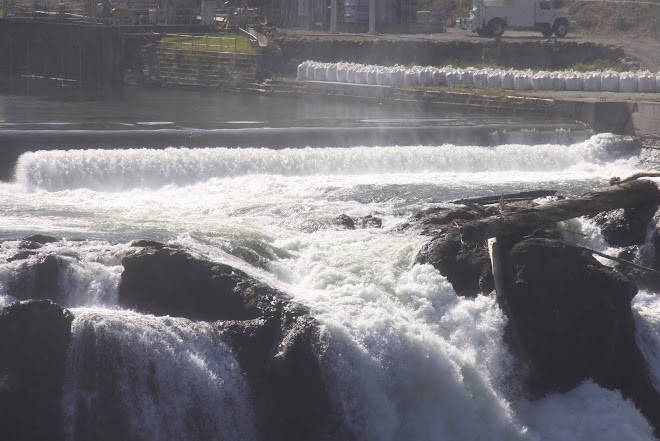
(410, 359)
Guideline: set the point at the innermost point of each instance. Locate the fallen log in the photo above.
(512, 197)
(636, 193)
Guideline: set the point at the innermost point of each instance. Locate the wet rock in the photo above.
(147, 243)
(570, 319)
(36, 241)
(345, 221)
(167, 281)
(279, 358)
(646, 256)
(34, 337)
(38, 279)
(623, 228)
(370, 221)
(465, 265)
(22, 255)
(275, 340)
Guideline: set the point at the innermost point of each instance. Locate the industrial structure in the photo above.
(324, 15)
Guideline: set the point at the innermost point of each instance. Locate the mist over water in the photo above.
(402, 356)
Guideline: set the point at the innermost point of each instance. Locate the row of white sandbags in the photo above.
(609, 81)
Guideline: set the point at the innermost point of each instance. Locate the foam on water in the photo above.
(173, 379)
(404, 357)
(113, 170)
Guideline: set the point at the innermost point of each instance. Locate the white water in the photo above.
(405, 358)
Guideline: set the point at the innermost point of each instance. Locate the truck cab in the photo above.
(493, 17)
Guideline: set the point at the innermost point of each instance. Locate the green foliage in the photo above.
(211, 43)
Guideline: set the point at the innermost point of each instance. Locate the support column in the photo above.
(372, 16)
(333, 16)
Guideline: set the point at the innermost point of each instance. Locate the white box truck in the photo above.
(492, 17)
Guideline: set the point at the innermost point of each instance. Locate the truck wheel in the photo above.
(561, 28)
(496, 27)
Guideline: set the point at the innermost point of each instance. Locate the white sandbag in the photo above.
(350, 73)
(452, 76)
(609, 81)
(494, 79)
(383, 76)
(558, 81)
(319, 71)
(398, 76)
(628, 82)
(480, 78)
(645, 82)
(573, 81)
(542, 81)
(372, 76)
(507, 79)
(439, 77)
(410, 77)
(592, 82)
(425, 76)
(342, 73)
(522, 81)
(331, 72)
(467, 75)
(360, 75)
(302, 71)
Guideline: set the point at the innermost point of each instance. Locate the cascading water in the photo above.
(133, 376)
(402, 357)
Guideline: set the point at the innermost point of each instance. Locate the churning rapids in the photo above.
(405, 358)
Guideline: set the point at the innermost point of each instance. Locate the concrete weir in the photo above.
(619, 113)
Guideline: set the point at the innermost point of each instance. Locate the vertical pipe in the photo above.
(372, 16)
(11, 59)
(27, 66)
(333, 16)
(309, 8)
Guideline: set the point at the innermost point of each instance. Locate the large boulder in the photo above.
(168, 281)
(274, 340)
(570, 319)
(34, 338)
(38, 278)
(625, 227)
(466, 265)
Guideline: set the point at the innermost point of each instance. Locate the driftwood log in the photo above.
(630, 194)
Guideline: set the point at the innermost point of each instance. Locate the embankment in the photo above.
(538, 54)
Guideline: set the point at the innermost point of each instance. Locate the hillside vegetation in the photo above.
(624, 18)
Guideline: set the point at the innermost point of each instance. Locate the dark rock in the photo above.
(623, 228)
(39, 279)
(22, 255)
(345, 222)
(166, 281)
(34, 337)
(370, 221)
(275, 341)
(278, 356)
(570, 319)
(147, 243)
(36, 241)
(465, 265)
